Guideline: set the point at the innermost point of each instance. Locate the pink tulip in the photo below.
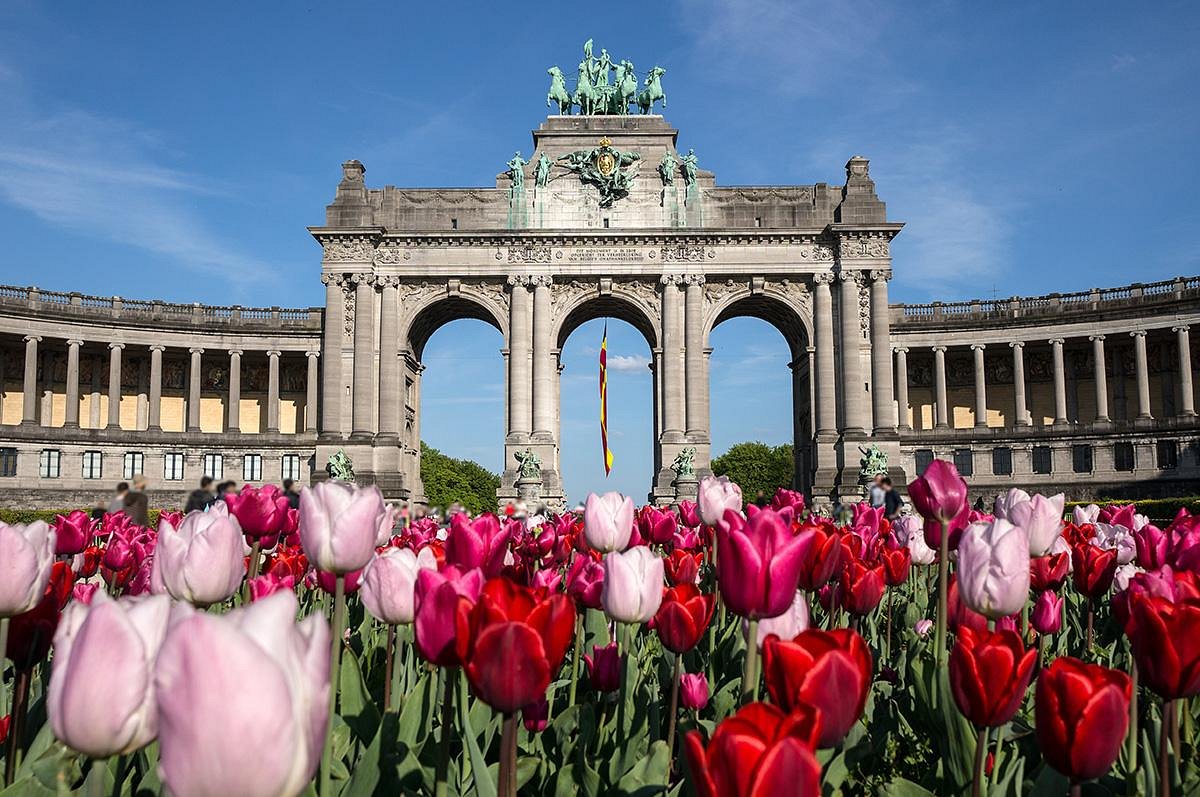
(993, 568)
(327, 582)
(940, 496)
(101, 700)
(1152, 545)
(26, 556)
(689, 514)
(923, 627)
(718, 494)
(656, 525)
(72, 532)
(441, 600)
(243, 700)
(693, 690)
(389, 584)
(84, 592)
(909, 533)
(480, 543)
(1040, 517)
(633, 585)
(1047, 614)
(585, 581)
(269, 584)
(201, 562)
(339, 523)
(549, 580)
(260, 511)
(787, 625)
(759, 564)
(608, 521)
(1085, 514)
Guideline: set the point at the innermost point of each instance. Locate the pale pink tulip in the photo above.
(389, 582)
(717, 494)
(786, 625)
(201, 561)
(993, 568)
(339, 523)
(26, 556)
(633, 585)
(608, 521)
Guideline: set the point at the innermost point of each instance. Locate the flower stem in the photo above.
(16, 726)
(1164, 753)
(443, 762)
(3, 654)
(624, 650)
(507, 786)
(750, 674)
(575, 659)
(389, 667)
(335, 665)
(943, 577)
(981, 745)
(1131, 740)
(674, 710)
(94, 783)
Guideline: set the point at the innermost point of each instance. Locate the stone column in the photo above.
(1100, 378)
(1143, 373)
(363, 401)
(233, 410)
(543, 361)
(114, 385)
(390, 394)
(331, 344)
(693, 344)
(94, 420)
(155, 411)
(311, 389)
(902, 388)
(656, 386)
(854, 412)
(672, 362)
(143, 394)
(1060, 382)
(942, 421)
(72, 417)
(520, 416)
(273, 391)
(882, 406)
(193, 402)
(1187, 398)
(980, 386)
(1018, 348)
(29, 387)
(823, 341)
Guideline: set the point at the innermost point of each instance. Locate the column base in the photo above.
(361, 436)
(70, 425)
(272, 430)
(1188, 414)
(941, 426)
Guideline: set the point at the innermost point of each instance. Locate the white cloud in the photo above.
(632, 363)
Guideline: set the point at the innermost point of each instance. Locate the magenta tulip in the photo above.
(269, 584)
(993, 568)
(759, 564)
(585, 582)
(201, 562)
(442, 601)
(633, 585)
(940, 496)
(608, 521)
(243, 700)
(72, 532)
(478, 543)
(339, 523)
(26, 556)
(718, 494)
(1152, 545)
(260, 511)
(1047, 614)
(604, 667)
(389, 584)
(693, 690)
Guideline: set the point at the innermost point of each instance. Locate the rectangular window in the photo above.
(93, 464)
(1002, 461)
(1081, 458)
(1123, 456)
(1043, 459)
(1168, 454)
(49, 462)
(290, 467)
(173, 466)
(214, 466)
(252, 468)
(8, 462)
(964, 460)
(134, 464)
(924, 457)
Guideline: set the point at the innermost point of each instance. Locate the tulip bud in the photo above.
(604, 667)
(389, 583)
(201, 561)
(693, 690)
(608, 521)
(716, 495)
(536, 716)
(633, 585)
(1047, 614)
(923, 627)
(339, 523)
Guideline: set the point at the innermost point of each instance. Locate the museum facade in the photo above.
(1090, 392)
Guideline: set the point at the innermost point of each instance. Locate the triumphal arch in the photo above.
(607, 217)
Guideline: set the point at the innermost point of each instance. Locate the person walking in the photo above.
(293, 495)
(118, 500)
(202, 497)
(137, 504)
(892, 502)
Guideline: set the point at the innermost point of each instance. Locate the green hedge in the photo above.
(1157, 509)
(11, 516)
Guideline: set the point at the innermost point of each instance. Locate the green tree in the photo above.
(448, 480)
(757, 467)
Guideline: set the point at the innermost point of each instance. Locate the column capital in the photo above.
(1180, 328)
(74, 342)
(158, 347)
(362, 278)
(1016, 344)
(388, 281)
(541, 280)
(823, 278)
(195, 350)
(1056, 341)
(938, 348)
(32, 338)
(978, 346)
(312, 353)
(115, 346)
(1138, 333)
(900, 349)
(881, 274)
(330, 278)
(671, 279)
(235, 352)
(273, 352)
(1095, 338)
(693, 279)
(847, 275)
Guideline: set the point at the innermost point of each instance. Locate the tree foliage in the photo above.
(448, 480)
(757, 467)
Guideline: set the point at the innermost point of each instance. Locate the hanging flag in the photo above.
(608, 457)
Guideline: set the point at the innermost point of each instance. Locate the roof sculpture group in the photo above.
(605, 87)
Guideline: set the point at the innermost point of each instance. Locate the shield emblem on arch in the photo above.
(606, 162)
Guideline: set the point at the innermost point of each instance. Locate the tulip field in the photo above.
(712, 648)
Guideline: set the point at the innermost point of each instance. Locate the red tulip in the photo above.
(1049, 571)
(860, 588)
(940, 496)
(1166, 644)
(536, 716)
(896, 564)
(759, 563)
(261, 511)
(989, 673)
(87, 563)
(518, 641)
(683, 617)
(959, 615)
(1094, 569)
(829, 670)
(821, 557)
(30, 634)
(1082, 714)
(72, 532)
(604, 667)
(443, 603)
(682, 567)
(758, 752)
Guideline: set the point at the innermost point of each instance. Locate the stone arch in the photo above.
(620, 302)
(785, 306)
(426, 309)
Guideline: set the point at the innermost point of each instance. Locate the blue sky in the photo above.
(180, 153)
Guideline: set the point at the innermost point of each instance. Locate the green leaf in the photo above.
(355, 706)
(364, 776)
(902, 787)
(652, 770)
(484, 785)
(416, 717)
